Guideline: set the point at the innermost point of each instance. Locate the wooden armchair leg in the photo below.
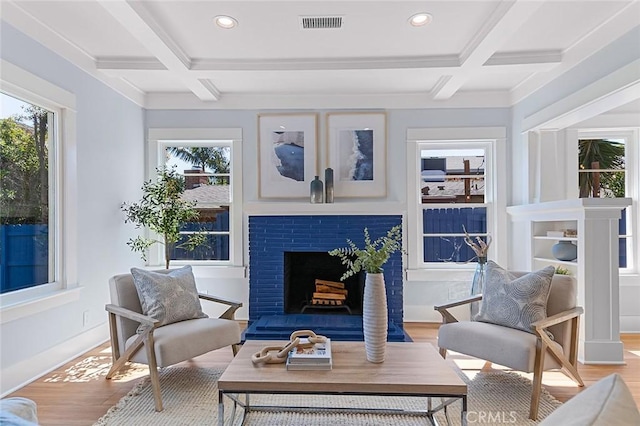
(235, 349)
(536, 385)
(153, 373)
(572, 372)
(443, 352)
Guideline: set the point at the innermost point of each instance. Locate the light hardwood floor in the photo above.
(78, 394)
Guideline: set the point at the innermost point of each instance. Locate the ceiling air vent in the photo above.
(320, 22)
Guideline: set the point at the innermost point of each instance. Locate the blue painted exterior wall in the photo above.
(24, 256)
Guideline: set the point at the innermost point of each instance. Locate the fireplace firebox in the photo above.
(302, 269)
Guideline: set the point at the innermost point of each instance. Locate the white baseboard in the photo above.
(28, 370)
(630, 324)
(608, 352)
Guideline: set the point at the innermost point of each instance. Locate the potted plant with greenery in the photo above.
(371, 259)
(163, 211)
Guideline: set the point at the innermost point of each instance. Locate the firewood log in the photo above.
(330, 283)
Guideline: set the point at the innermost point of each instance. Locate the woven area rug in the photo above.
(190, 398)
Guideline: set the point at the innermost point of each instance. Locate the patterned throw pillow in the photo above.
(168, 297)
(515, 302)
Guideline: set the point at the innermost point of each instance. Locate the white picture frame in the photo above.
(287, 154)
(356, 151)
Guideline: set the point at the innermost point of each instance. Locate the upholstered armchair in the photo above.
(144, 339)
(534, 351)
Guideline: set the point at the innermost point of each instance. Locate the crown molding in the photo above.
(229, 101)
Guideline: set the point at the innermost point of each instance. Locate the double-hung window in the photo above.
(27, 194)
(451, 193)
(210, 162)
(38, 250)
(608, 168)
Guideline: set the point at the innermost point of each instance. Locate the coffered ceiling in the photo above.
(170, 53)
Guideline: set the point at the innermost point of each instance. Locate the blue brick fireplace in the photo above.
(271, 237)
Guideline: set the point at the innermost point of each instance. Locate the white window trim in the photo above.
(494, 139)
(632, 177)
(160, 137)
(20, 83)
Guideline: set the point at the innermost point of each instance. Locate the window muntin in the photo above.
(27, 195)
(451, 176)
(206, 167)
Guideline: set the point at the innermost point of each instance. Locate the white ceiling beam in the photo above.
(525, 58)
(508, 17)
(304, 64)
(607, 32)
(136, 19)
(127, 63)
(481, 99)
(611, 91)
(529, 61)
(24, 21)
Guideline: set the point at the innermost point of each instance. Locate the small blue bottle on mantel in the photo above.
(317, 191)
(328, 185)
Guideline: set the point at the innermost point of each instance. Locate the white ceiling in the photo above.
(169, 53)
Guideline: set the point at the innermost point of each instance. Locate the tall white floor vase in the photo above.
(374, 317)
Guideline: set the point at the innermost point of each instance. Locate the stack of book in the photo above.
(316, 357)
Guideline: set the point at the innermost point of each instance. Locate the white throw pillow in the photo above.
(168, 297)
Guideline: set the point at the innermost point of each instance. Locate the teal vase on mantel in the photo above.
(328, 185)
(317, 191)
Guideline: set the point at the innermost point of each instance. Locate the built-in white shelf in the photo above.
(596, 268)
(544, 237)
(336, 208)
(554, 261)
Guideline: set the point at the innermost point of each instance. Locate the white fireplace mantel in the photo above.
(596, 268)
(301, 208)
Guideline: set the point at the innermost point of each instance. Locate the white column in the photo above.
(597, 270)
(600, 293)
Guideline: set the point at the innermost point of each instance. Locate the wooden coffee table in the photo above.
(409, 369)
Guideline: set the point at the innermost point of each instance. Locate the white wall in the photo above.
(110, 159)
(420, 296)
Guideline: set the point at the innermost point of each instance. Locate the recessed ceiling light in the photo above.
(226, 22)
(420, 19)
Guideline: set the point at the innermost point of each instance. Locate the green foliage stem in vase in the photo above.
(373, 256)
(163, 211)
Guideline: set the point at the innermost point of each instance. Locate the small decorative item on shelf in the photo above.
(328, 185)
(565, 250)
(317, 191)
(480, 247)
(562, 233)
(562, 271)
(374, 302)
